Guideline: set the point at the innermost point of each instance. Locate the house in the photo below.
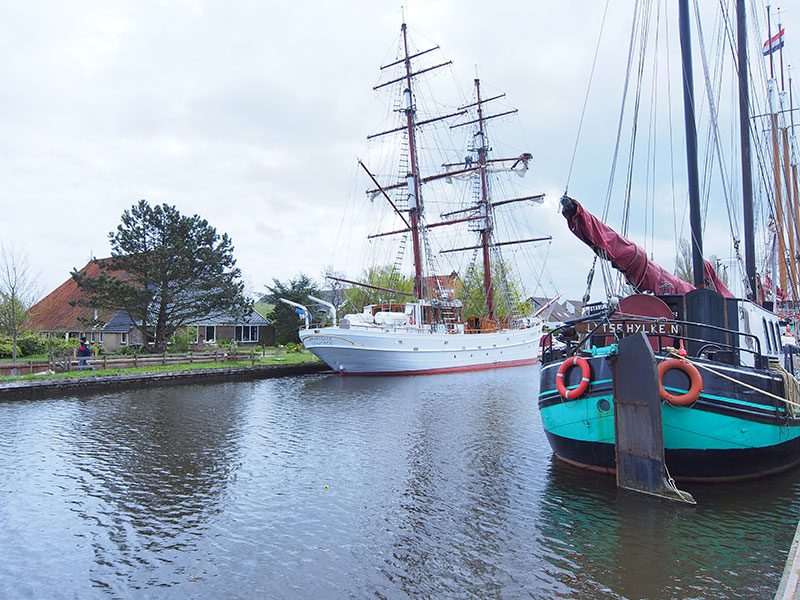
(62, 314)
(560, 311)
(442, 287)
(251, 330)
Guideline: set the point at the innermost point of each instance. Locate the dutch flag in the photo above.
(774, 43)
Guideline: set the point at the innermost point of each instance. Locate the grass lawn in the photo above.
(292, 358)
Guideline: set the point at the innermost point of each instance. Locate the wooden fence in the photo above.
(71, 363)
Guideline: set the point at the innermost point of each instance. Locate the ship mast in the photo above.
(479, 212)
(484, 205)
(744, 136)
(412, 179)
(776, 175)
(698, 267)
(791, 196)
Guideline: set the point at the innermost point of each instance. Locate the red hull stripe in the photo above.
(484, 367)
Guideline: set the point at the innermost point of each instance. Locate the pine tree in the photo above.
(165, 270)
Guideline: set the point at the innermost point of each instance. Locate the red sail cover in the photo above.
(628, 258)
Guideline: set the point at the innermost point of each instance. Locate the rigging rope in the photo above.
(792, 385)
(586, 97)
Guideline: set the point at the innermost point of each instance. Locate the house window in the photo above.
(123, 339)
(246, 333)
(102, 335)
(91, 337)
(211, 333)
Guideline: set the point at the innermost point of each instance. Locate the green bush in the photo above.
(7, 348)
(182, 340)
(291, 347)
(58, 345)
(227, 344)
(29, 343)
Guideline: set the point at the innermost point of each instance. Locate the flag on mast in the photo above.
(773, 44)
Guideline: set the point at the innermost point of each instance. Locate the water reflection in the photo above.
(601, 540)
(150, 468)
(331, 487)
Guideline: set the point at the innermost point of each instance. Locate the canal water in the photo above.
(331, 487)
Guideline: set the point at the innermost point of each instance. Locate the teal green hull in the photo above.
(684, 428)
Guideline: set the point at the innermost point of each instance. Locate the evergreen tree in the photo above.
(283, 317)
(165, 270)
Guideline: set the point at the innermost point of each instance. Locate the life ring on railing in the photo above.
(695, 379)
(586, 375)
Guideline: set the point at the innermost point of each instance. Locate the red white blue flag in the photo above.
(774, 43)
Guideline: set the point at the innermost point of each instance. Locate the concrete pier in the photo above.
(49, 388)
(789, 588)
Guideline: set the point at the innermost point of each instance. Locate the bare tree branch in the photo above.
(18, 291)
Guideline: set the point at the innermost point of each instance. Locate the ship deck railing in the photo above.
(572, 343)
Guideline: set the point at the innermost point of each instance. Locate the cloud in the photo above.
(252, 114)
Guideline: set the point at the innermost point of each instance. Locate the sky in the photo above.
(252, 114)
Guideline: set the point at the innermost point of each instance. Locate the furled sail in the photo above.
(628, 258)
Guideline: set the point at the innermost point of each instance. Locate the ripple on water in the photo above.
(439, 486)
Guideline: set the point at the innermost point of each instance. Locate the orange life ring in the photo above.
(586, 375)
(695, 379)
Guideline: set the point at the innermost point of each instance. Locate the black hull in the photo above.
(688, 465)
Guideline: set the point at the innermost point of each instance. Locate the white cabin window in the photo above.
(767, 336)
(123, 339)
(211, 333)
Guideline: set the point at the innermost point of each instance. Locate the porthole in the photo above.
(604, 405)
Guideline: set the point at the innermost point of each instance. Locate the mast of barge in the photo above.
(744, 133)
(698, 268)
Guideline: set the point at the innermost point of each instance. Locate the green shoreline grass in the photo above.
(294, 358)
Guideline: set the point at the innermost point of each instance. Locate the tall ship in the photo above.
(724, 378)
(422, 327)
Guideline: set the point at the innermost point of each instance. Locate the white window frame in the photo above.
(212, 339)
(123, 339)
(252, 333)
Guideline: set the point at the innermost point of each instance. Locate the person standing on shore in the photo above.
(84, 352)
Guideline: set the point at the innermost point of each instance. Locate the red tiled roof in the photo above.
(55, 313)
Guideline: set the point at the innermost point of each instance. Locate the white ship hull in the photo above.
(368, 351)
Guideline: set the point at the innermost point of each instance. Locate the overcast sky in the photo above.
(252, 114)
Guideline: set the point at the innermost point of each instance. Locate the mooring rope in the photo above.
(796, 392)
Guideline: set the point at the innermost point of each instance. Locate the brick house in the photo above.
(59, 314)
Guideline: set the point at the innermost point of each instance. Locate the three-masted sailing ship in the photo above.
(428, 332)
(729, 398)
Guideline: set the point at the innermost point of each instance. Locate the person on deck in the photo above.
(84, 352)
